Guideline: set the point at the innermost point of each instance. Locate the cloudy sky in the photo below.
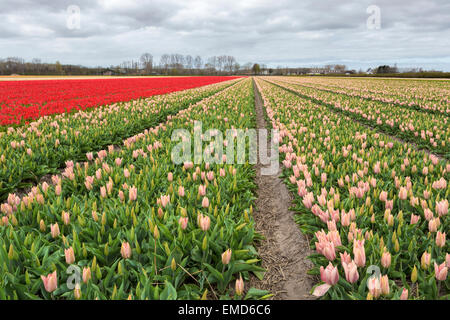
(412, 33)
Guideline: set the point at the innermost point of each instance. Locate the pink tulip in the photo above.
(374, 286)
(86, 274)
(103, 192)
(204, 222)
(181, 191)
(125, 250)
(308, 200)
(54, 230)
(183, 221)
(239, 286)
(440, 271)
(65, 217)
(70, 255)
(50, 282)
(90, 156)
(170, 176)
(440, 239)
(442, 207)
(425, 260)
(330, 276)
(383, 196)
(345, 258)
(201, 190)
(132, 193)
(433, 225)
(384, 284)
(359, 253)
(165, 200)
(403, 193)
(386, 259)
(414, 219)
(188, 165)
(329, 250)
(226, 257)
(205, 202)
(351, 271)
(404, 295)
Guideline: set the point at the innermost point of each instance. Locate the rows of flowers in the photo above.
(377, 209)
(23, 100)
(432, 96)
(428, 131)
(31, 151)
(134, 224)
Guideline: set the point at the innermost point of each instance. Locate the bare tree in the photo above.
(188, 62)
(198, 62)
(147, 63)
(164, 62)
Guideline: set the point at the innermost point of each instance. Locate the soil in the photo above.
(284, 249)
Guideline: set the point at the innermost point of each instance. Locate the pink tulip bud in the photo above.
(226, 257)
(125, 250)
(181, 191)
(384, 284)
(86, 274)
(54, 230)
(58, 189)
(50, 282)
(90, 156)
(359, 253)
(383, 196)
(170, 176)
(65, 217)
(103, 192)
(239, 286)
(425, 260)
(404, 295)
(77, 291)
(386, 259)
(205, 202)
(440, 239)
(70, 255)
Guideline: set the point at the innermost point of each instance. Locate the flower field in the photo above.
(368, 201)
(24, 100)
(94, 206)
(31, 151)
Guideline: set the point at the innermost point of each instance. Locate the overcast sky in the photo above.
(277, 32)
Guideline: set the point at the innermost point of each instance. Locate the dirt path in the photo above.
(285, 248)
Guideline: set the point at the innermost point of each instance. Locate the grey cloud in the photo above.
(273, 32)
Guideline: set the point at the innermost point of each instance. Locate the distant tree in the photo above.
(198, 62)
(58, 68)
(188, 62)
(147, 63)
(256, 68)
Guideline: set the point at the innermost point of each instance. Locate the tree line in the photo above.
(168, 64)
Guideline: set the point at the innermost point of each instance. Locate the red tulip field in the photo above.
(94, 204)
